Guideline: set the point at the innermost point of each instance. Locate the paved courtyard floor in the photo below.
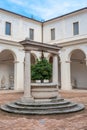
(74, 121)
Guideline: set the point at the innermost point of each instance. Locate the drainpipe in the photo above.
(42, 32)
(42, 54)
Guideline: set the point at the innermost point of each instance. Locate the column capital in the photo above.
(65, 61)
(55, 55)
(16, 62)
(68, 61)
(27, 50)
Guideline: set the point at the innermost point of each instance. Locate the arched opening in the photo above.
(33, 58)
(78, 70)
(51, 59)
(59, 69)
(7, 59)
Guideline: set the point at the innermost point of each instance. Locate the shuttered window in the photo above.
(8, 28)
(53, 34)
(76, 28)
(31, 33)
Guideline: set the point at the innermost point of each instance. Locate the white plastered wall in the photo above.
(64, 28)
(19, 27)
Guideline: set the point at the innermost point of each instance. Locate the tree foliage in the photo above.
(41, 70)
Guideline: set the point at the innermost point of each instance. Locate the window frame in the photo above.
(75, 28)
(31, 33)
(52, 33)
(8, 28)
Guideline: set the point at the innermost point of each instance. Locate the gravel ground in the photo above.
(74, 121)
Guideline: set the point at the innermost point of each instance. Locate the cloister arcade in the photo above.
(78, 69)
(11, 65)
(72, 69)
(7, 69)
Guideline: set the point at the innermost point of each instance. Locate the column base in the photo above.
(27, 99)
(68, 87)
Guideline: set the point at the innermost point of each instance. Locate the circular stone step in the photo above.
(13, 105)
(39, 104)
(54, 107)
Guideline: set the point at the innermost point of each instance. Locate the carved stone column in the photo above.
(27, 78)
(65, 76)
(55, 69)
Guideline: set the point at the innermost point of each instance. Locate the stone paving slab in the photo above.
(74, 121)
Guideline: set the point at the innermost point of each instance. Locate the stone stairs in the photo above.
(56, 106)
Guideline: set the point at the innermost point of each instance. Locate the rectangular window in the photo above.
(53, 34)
(8, 28)
(76, 28)
(31, 34)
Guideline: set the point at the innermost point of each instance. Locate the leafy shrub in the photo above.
(41, 70)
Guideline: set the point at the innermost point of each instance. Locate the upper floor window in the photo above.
(53, 34)
(8, 28)
(76, 28)
(31, 31)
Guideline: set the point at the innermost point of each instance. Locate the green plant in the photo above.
(41, 70)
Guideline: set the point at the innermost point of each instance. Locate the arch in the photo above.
(50, 58)
(33, 58)
(12, 52)
(78, 69)
(7, 58)
(75, 49)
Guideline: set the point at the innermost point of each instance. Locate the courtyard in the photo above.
(73, 121)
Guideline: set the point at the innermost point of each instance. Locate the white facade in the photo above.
(72, 55)
(64, 27)
(19, 27)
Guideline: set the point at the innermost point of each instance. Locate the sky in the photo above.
(42, 9)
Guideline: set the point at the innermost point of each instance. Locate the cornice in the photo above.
(39, 46)
(66, 15)
(46, 21)
(9, 42)
(73, 42)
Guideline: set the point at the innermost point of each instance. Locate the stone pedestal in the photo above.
(44, 91)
